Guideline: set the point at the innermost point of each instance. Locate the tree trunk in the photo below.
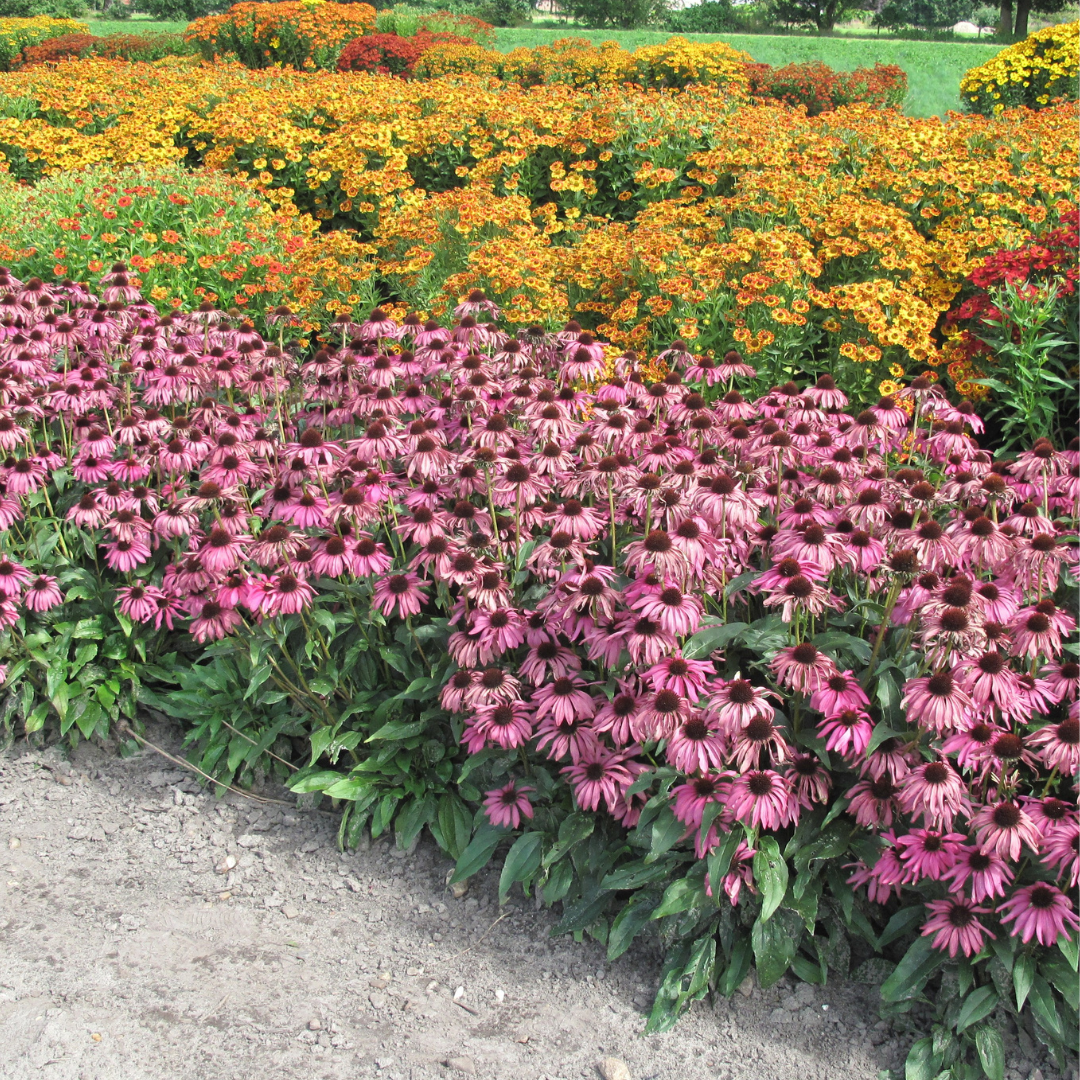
(1005, 22)
(1020, 30)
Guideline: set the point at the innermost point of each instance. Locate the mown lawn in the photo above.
(934, 69)
(134, 25)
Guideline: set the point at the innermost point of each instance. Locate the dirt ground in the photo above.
(152, 932)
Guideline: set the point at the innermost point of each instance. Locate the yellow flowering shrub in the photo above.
(571, 61)
(305, 34)
(679, 62)
(16, 34)
(1033, 72)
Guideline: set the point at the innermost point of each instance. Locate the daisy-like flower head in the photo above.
(1039, 911)
(954, 925)
(506, 806)
(802, 668)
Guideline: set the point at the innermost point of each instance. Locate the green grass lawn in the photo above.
(934, 69)
(134, 25)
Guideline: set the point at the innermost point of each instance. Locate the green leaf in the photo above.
(316, 781)
(582, 914)
(904, 921)
(771, 875)
(398, 729)
(978, 1005)
(720, 859)
(680, 896)
(1044, 1008)
(455, 825)
(991, 1052)
(706, 641)
(635, 874)
(918, 964)
(1023, 976)
(775, 944)
(560, 878)
(667, 831)
(412, 817)
(737, 969)
(882, 732)
(574, 828)
(1070, 950)
(629, 923)
(922, 1063)
(478, 854)
(522, 861)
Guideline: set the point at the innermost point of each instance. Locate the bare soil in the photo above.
(152, 932)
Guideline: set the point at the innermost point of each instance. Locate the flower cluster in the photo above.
(592, 535)
(390, 54)
(18, 34)
(113, 47)
(820, 89)
(1033, 72)
(304, 34)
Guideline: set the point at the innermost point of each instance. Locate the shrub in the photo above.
(187, 237)
(56, 9)
(180, 10)
(16, 34)
(145, 47)
(820, 89)
(1018, 330)
(308, 34)
(1033, 73)
(679, 62)
(570, 62)
(389, 54)
(407, 21)
(777, 677)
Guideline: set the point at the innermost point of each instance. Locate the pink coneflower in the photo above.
(221, 551)
(559, 740)
(926, 853)
(646, 641)
(125, 555)
(506, 806)
(13, 578)
(691, 798)
(809, 780)
(88, 513)
(404, 591)
(42, 593)
(840, 691)
(695, 746)
(881, 880)
(1037, 631)
(763, 800)
(285, 594)
(984, 872)
(760, 736)
(847, 732)
(492, 686)
(738, 702)
(566, 699)
(678, 613)
(507, 724)
(955, 927)
(659, 716)
(1062, 679)
(370, 558)
(802, 668)
(937, 703)
(1039, 911)
(500, 630)
(988, 678)
(548, 657)
(686, 677)
(1061, 850)
(138, 602)
(1004, 828)
(213, 622)
(934, 793)
(873, 802)
(618, 715)
(598, 774)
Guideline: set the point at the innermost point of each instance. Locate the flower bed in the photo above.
(819, 89)
(770, 674)
(17, 34)
(1033, 73)
(305, 34)
(147, 47)
(643, 215)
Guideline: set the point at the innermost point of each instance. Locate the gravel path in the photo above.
(151, 932)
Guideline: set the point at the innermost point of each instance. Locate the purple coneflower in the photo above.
(1004, 828)
(1039, 911)
(506, 806)
(984, 872)
(42, 593)
(802, 668)
(955, 927)
(934, 793)
(402, 591)
(763, 800)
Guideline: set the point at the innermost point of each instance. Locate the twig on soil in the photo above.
(287, 764)
(504, 915)
(206, 776)
(467, 1008)
(216, 1009)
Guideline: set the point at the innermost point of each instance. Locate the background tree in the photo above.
(622, 14)
(822, 14)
